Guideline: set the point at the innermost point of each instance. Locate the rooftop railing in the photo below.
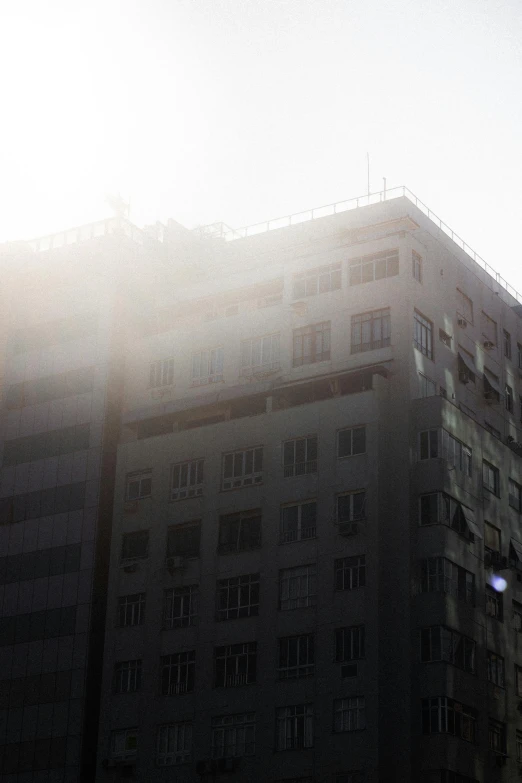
(101, 228)
(364, 201)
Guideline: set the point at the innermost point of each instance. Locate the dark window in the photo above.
(300, 456)
(351, 506)
(127, 676)
(490, 478)
(235, 664)
(181, 606)
(444, 644)
(131, 609)
(423, 334)
(298, 522)
(371, 331)
(374, 267)
(46, 444)
(349, 644)
(351, 441)
(177, 673)
(187, 480)
(350, 572)
(139, 485)
(497, 736)
(238, 596)
(296, 656)
(183, 540)
(443, 576)
(135, 545)
(317, 281)
(443, 715)
(311, 344)
(494, 604)
(242, 468)
(239, 532)
(507, 344)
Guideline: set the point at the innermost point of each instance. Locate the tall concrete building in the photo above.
(308, 553)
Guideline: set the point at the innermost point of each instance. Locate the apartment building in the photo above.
(310, 569)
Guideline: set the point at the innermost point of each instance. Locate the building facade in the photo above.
(307, 561)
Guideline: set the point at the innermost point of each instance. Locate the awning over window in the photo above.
(494, 385)
(469, 516)
(517, 546)
(468, 363)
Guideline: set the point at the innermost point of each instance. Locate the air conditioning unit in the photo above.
(130, 568)
(174, 563)
(462, 322)
(348, 528)
(488, 345)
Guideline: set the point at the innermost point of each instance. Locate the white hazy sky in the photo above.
(240, 111)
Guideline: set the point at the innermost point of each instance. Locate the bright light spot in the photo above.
(498, 583)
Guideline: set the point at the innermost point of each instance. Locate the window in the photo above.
(161, 373)
(317, 281)
(464, 307)
(519, 747)
(50, 387)
(174, 744)
(298, 522)
(491, 387)
(124, 744)
(490, 478)
(489, 329)
(139, 485)
(183, 540)
(239, 532)
(237, 597)
(186, 480)
(427, 387)
(443, 715)
(442, 576)
(466, 366)
(416, 266)
(234, 736)
(127, 676)
(509, 400)
(235, 665)
(374, 267)
(181, 607)
(311, 344)
(351, 506)
(261, 354)
(444, 644)
(494, 604)
(496, 736)
(351, 441)
(295, 727)
(445, 338)
(349, 644)
(177, 673)
(46, 444)
(491, 538)
(518, 680)
(456, 453)
(370, 331)
(131, 609)
(423, 334)
(517, 616)
(298, 587)
(349, 714)
(515, 495)
(300, 456)
(519, 356)
(242, 468)
(495, 668)
(506, 343)
(43, 502)
(429, 444)
(207, 366)
(350, 572)
(296, 657)
(135, 545)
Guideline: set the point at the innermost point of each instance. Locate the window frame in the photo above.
(213, 372)
(314, 335)
(229, 725)
(161, 373)
(305, 599)
(191, 472)
(245, 478)
(135, 608)
(187, 597)
(273, 362)
(354, 709)
(423, 334)
(305, 280)
(243, 609)
(300, 468)
(490, 485)
(295, 727)
(289, 536)
(373, 267)
(352, 430)
(237, 656)
(133, 535)
(182, 744)
(177, 673)
(349, 573)
(382, 317)
(139, 477)
(301, 668)
(245, 540)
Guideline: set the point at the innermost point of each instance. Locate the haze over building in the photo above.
(256, 487)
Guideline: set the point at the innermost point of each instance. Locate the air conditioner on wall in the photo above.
(348, 528)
